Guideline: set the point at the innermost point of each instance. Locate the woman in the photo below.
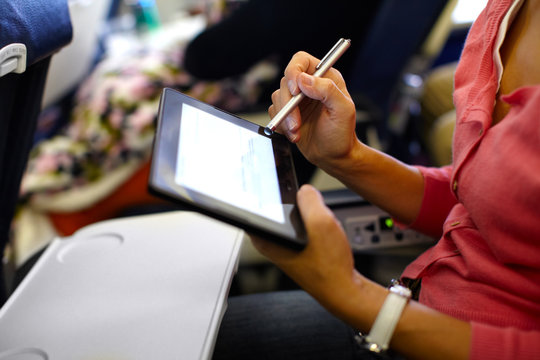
(479, 295)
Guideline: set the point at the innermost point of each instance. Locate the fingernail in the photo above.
(293, 89)
(291, 123)
(292, 136)
(307, 79)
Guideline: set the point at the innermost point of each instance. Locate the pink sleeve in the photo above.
(437, 202)
(491, 342)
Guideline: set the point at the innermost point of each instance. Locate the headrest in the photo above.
(32, 30)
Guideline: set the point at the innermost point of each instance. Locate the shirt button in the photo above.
(454, 185)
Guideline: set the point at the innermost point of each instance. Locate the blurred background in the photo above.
(90, 158)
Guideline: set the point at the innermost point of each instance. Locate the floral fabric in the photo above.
(113, 118)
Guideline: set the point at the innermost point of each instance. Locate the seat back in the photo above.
(30, 32)
(398, 32)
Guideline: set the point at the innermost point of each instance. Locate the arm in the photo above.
(325, 269)
(491, 342)
(323, 128)
(438, 200)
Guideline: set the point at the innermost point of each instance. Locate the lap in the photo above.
(284, 325)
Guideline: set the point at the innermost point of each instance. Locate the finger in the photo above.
(290, 126)
(321, 89)
(278, 103)
(284, 94)
(275, 97)
(300, 62)
(325, 90)
(273, 109)
(311, 203)
(317, 217)
(276, 253)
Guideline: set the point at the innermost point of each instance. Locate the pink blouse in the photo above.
(486, 208)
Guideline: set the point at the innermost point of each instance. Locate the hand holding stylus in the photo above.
(326, 63)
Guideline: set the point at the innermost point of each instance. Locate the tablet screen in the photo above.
(247, 166)
(225, 167)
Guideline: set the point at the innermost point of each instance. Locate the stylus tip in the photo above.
(268, 131)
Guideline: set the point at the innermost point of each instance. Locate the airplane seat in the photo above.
(31, 32)
(404, 40)
(404, 37)
(65, 75)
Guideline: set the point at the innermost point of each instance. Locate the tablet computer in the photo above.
(225, 167)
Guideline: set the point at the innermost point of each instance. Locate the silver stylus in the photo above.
(326, 63)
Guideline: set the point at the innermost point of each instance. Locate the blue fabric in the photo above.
(44, 26)
(20, 100)
(397, 32)
(285, 325)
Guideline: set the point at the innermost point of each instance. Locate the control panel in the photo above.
(367, 226)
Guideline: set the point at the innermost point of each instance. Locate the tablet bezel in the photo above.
(163, 169)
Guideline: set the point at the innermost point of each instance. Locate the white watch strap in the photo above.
(381, 332)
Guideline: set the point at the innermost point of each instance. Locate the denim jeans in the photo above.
(285, 325)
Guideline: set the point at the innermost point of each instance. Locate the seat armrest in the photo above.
(32, 31)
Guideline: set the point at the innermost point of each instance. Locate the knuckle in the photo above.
(271, 110)
(299, 63)
(300, 53)
(325, 222)
(328, 88)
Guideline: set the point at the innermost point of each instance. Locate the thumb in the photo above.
(311, 204)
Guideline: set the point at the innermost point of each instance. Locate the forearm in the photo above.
(424, 333)
(325, 269)
(421, 333)
(380, 179)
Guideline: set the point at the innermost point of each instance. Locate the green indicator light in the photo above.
(389, 223)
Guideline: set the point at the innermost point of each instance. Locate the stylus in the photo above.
(326, 63)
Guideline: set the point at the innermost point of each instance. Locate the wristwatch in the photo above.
(381, 332)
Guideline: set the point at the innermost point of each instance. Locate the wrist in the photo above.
(357, 302)
(354, 161)
(380, 179)
(382, 330)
